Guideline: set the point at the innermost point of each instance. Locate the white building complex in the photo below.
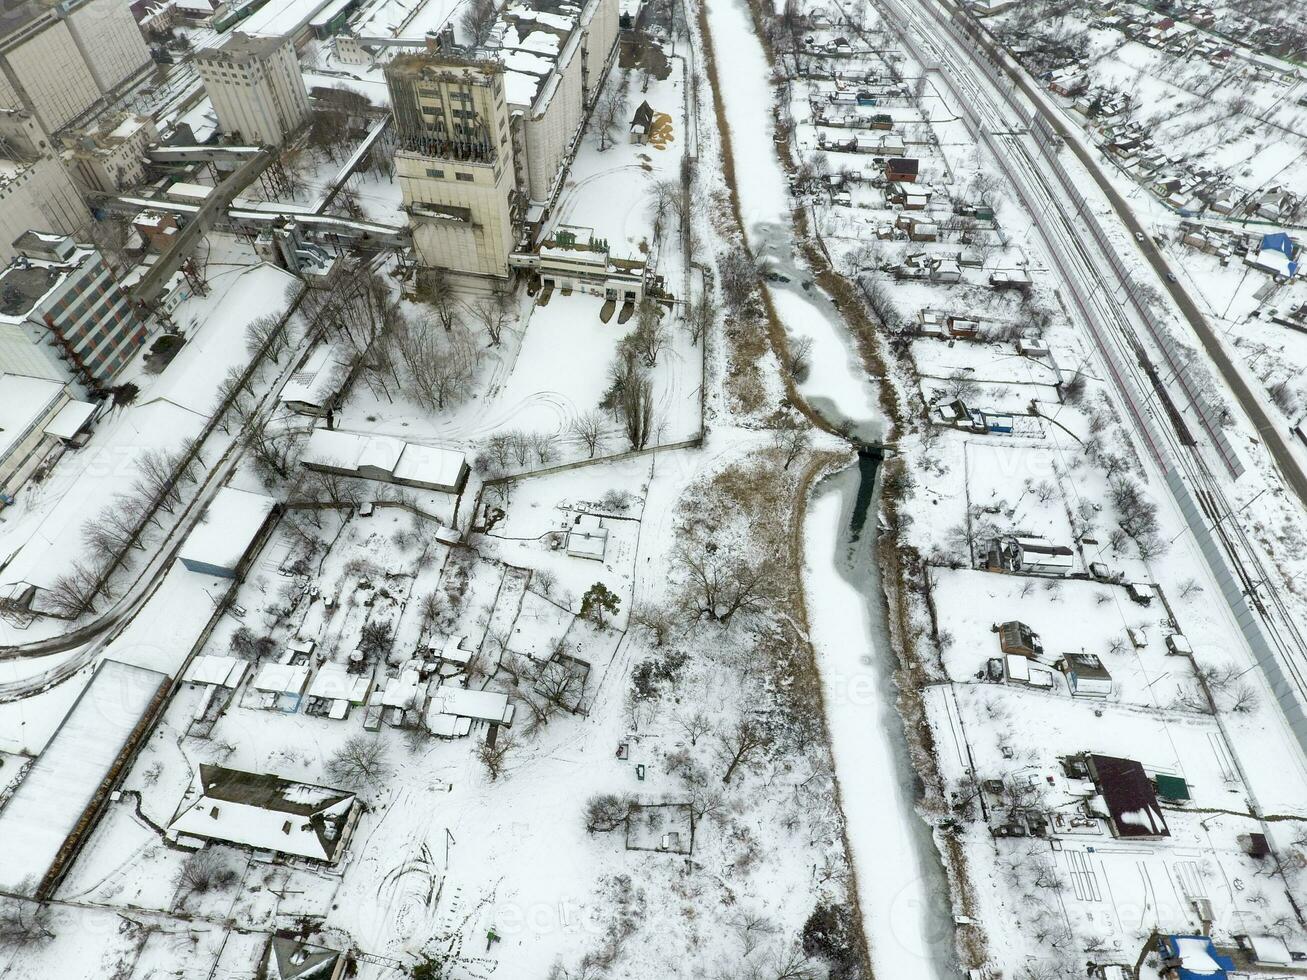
(485, 137)
(58, 60)
(256, 87)
(112, 157)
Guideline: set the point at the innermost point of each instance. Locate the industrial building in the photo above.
(485, 136)
(57, 61)
(256, 88)
(63, 314)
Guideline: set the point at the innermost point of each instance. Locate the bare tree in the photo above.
(206, 871)
(609, 109)
(589, 428)
(799, 361)
(359, 763)
(266, 333)
(157, 478)
(477, 20)
(275, 451)
(494, 312)
(605, 812)
(24, 924)
(741, 742)
(439, 363)
(543, 444)
(739, 278)
(723, 583)
(74, 592)
(440, 294)
(231, 403)
(657, 619)
(631, 394)
(789, 436)
(700, 316)
(695, 726)
(650, 335)
(494, 755)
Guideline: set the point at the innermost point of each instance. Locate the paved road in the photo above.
(1272, 432)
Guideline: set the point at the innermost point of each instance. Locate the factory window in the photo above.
(438, 174)
(463, 176)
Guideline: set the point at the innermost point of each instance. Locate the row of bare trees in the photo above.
(120, 526)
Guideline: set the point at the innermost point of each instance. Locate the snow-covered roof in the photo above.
(402, 691)
(405, 462)
(450, 649)
(24, 402)
(265, 812)
(587, 538)
(68, 774)
(283, 18)
(312, 384)
(334, 683)
(210, 668)
(427, 464)
(70, 419)
(281, 678)
(479, 705)
(229, 525)
(189, 191)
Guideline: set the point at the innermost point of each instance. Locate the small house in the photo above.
(1040, 556)
(1016, 637)
(1128, 798)
(315, 385)
(290, 959)
(266, 813)
(1192, 958)
(902, 168)
(587, 538)
(281, 686)
(1178, 644)
(641, 123)
(219, 544)
(924, 231)
(1086, 676)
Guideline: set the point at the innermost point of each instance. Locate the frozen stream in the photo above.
(902, 887)
(901, 883)
(837, 385)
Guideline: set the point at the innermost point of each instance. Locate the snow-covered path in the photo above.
(900, 883)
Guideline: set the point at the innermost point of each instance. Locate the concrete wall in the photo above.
(41, 197)
(110, 42)
(49, 68)
(480, 245)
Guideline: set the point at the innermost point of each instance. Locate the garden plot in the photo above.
(992, 363)
(1007, 729)
(1069, 616)
(540, 628)
(1105, 885)
(1017, 490)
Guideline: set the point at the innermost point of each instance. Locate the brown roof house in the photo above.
(266, 813)
(1128, 798)
(901, 168)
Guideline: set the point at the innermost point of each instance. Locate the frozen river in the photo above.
(901, 883)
